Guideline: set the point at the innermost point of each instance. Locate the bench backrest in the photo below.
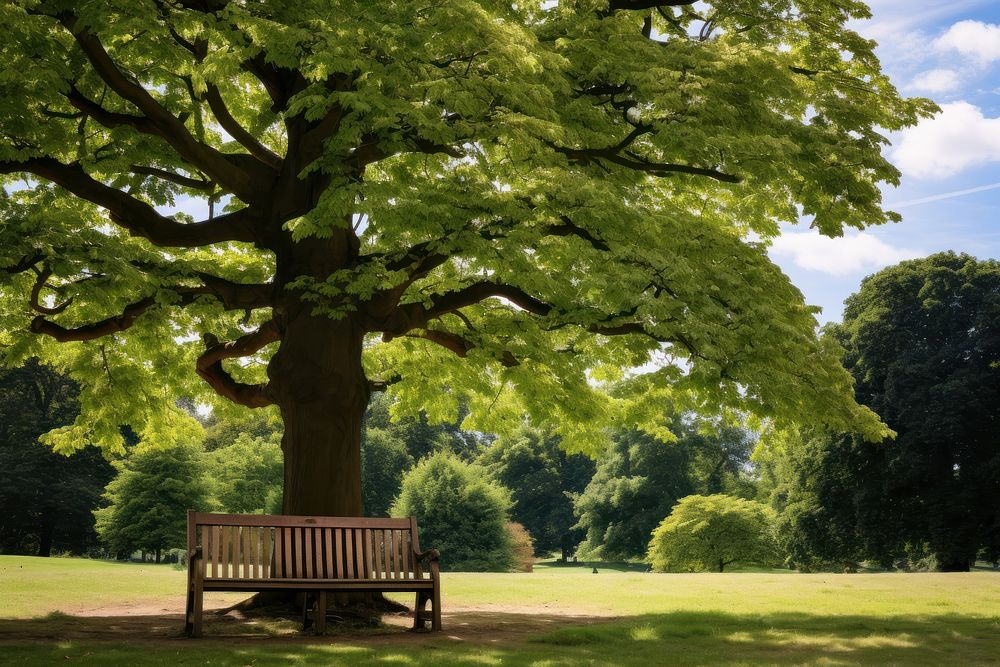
(261, 546)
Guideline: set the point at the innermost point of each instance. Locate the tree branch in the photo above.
(137, 217)
(237, 131)
(179, 179)
(217, 165)
(587, 155)
(36, 291)
(459, 345)
(209, 366)
(467, 296)
(106, 327)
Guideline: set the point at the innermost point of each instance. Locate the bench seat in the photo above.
(386, 585)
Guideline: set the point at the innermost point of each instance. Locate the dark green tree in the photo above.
(148, 500)
(543, 480)
(460, 512)
(46, 499)
(420, 436)
(720, 458)
(384, 461)
(637, 482)
(640, 478)
(830, 516)
(922, 340)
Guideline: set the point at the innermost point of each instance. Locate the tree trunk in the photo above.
(157, 555)
(322, 391)
(45, 533)
(722, 565)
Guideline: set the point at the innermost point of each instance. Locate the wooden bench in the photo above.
(310, 554)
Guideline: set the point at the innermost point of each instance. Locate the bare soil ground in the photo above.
(162, 621)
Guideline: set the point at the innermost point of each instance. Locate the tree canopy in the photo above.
(544, 481)
(923, 342)
(713, 532)
(460, 512)
(471, 203)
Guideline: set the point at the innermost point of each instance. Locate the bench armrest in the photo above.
(432, 555)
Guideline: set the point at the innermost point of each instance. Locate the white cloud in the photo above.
(936, 81)
(975, 39)
(858, 253)
(957, 138)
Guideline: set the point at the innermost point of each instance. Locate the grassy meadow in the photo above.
(99, 613)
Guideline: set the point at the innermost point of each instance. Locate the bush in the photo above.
(713, 532)
(460, 512)
(523, 545)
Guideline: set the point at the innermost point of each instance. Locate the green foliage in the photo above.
(543, 480)
(922, 339)
(460, 512)
(148, 500)
(420, 436)
(640, 478)
(246, 473)
(637, 482)
(620, 183)
(255, 424)
(831, 516)
(706, 533)
(384, 461)
(46, 499)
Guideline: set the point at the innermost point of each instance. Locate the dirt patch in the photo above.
(162, 621)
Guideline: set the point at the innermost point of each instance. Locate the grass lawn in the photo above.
(554, 617)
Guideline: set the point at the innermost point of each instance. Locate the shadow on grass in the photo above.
(479, 638)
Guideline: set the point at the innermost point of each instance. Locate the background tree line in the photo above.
(922, 340)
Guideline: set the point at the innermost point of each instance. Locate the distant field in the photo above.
(115, 614)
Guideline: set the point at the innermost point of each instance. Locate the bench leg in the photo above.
(197, 602)
(319, 622)
(436, 611)
(420, 610)
(188, 609)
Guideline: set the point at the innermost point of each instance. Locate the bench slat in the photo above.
(265, 553)
(288, 521)
(286, 547)
(405, 534)
(380, 554)
(307, 533)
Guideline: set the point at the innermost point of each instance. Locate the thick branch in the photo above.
(209, 366)
(237, 131)
(615, 5)
(467, 296)
(459, 345)
(179, 179)
(36, 291)
(138, 217)
(172, 129)
(105, 327)
(588, 155)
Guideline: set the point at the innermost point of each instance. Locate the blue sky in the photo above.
(950, 52)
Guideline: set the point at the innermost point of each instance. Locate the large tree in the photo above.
(46, 500)
(491, 203)
(923, 340)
